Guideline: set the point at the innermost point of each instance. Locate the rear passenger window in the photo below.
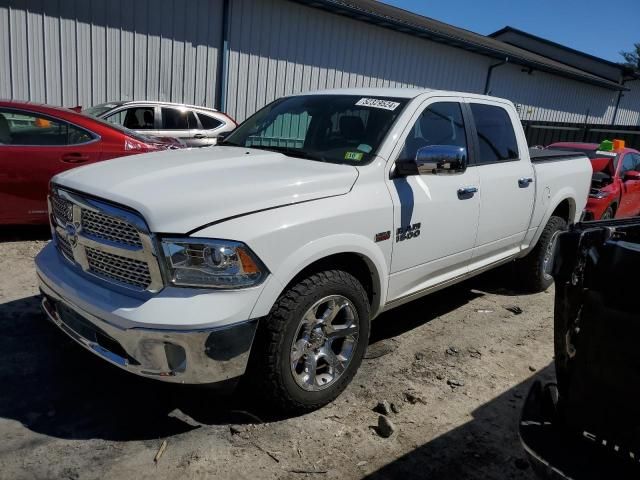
(178, 119)
(495, 134)
(209, 123)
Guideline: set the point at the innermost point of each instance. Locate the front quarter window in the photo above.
(346, 129)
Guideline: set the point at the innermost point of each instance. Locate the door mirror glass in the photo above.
(435, 160)
(631, 175)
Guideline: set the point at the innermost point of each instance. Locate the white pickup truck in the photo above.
(271, 253)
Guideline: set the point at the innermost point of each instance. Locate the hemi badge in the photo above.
(382, 236)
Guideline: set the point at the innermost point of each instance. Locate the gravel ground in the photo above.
(456, 365)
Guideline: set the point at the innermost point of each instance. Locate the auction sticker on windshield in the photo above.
(377, 103)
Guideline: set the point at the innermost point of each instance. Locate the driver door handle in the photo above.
(199, 135)
(524, 182)
(467, 192)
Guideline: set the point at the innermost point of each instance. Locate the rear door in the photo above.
(33, 148)
(630, 201)
(435, 224)
(507, 188)
(182, 123)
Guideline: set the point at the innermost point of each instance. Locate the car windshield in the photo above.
(346, 129)
(590, 153)
(98, 110)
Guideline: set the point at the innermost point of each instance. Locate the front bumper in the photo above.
(189, 353)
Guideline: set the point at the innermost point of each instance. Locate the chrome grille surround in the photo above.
(105, 241)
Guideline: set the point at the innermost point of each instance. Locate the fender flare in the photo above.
(561, 196)
(321, 248)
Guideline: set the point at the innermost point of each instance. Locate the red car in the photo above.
(615, 185)
(39, 141)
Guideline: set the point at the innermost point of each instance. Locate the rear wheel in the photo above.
(310, 346)
(533, 267)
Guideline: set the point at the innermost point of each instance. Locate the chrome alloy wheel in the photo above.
(324, 343)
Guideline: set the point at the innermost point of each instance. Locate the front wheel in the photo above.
(310, 346)
(608, 214)
(533, 267)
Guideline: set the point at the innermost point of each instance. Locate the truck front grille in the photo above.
(123, 269)
(64, 246)
(105, 241)
(109, 228)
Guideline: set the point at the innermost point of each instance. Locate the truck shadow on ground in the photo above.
(53, 386)
(487, 446)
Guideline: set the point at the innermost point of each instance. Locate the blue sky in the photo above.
(601, 28)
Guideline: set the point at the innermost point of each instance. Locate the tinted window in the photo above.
(137, 118)
(629, 162)
(495, 134)
(178, 119)
(333, 128)
(209, 123)
(439, 124)
(24, 128)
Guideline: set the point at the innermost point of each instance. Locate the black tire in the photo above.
(531, 268)
(270, 374)
(608, 214)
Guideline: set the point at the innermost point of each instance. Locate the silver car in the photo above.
(195, 126)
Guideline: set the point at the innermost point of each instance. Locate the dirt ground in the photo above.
(66, 414)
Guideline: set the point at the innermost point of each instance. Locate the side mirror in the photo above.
(631, 175)
(434, 160)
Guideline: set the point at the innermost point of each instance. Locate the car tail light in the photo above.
(132, 145)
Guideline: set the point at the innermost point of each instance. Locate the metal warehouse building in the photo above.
(238, 55)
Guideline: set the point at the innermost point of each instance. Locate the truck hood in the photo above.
(178, 191)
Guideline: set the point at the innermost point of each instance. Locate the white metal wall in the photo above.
(81, 52)
(545, 97)
(279, 47)
(629, 110)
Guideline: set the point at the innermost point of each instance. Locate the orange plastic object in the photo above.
(42, 123)
(618, 144)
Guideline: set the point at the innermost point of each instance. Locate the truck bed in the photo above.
(538, 155)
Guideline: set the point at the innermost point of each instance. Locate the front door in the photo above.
(507, 184)
(435, 224)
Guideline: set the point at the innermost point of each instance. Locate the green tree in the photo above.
(632, 58)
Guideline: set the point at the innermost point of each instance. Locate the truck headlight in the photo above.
(195, 262)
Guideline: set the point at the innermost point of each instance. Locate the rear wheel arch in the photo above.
(566, 210)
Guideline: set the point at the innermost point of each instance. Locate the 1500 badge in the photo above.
(408, 232)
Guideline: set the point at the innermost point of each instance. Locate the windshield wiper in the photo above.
(292, 152)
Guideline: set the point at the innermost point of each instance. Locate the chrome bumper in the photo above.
(179, 356)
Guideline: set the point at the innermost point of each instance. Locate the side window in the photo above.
(137, 118)
(178, 119)
(25, 128)
(628, 163)
(495, 134)
(439, 124)
(208, 123)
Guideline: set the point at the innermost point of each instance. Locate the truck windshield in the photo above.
(345, 129)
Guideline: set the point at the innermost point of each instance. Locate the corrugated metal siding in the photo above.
(629, 110)
(79, 52)
(544, 97)
(279, 47)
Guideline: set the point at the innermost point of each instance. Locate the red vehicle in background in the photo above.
(39, 141)
(615, 185)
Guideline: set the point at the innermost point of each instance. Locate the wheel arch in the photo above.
(354, 254)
